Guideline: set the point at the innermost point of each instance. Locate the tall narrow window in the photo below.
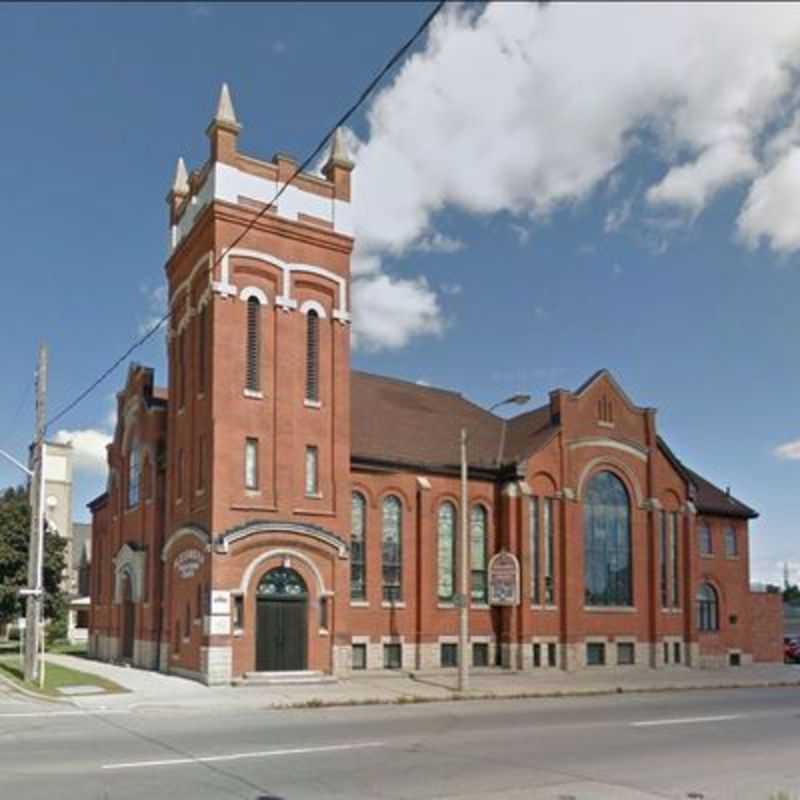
(707, 608)
(549, 579)
(674, 551)
(607, 542)
(447, 551)
(312, 471)
(392, 547)
(536, 553)
(251, 463)
(253, 347)
(664, 558)
(181, 369)
(478, 553)
(179, 476)
(201, 350)
(704, 540)
(201, 463)
(358, 561)
(312, 356)
(731, 545)
(134, 472)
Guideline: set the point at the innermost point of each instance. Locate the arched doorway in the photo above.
(127, 621)
(281, 621)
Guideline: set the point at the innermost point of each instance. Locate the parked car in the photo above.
(791, 650)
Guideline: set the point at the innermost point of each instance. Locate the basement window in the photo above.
(392, 656)
(626, 653)
(480, 654)
(448, 654)
(359, 656)
(595, 654)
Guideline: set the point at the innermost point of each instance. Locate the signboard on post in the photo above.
(504, 579)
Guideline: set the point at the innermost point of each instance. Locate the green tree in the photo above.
(15, 525)
(791, 594)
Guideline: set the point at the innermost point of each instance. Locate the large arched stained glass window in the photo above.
(447, 551)
(134, 472)
(607, 542)
(707, 608)
(392, 549)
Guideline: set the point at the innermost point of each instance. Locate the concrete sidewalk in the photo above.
(153, 691)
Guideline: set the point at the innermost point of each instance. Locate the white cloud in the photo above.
(388, 311)
(522, 233)
(789, 451)
(524, 108)
(88, 447)
(772, 207)
(616, 269)
(693, 184)
(451, 288)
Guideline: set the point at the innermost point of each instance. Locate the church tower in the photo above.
(258, 495)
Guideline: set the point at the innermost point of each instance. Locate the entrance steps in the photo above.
(295, 678)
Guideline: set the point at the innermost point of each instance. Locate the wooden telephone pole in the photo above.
(34, 612)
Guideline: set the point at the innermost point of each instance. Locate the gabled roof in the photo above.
(708, 498)
(403, 423)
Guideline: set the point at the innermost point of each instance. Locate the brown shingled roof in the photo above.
(407, 423)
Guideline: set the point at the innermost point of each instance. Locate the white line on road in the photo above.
(684, 720)
(237, 756)
(64, 713)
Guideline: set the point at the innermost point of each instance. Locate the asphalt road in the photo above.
(718, 744)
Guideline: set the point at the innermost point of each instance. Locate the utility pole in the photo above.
(464, 576)
(34, 612)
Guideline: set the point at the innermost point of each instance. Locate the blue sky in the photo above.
(537, 201)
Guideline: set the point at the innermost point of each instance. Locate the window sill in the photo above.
(313, 496)
(479, 606)
(199, 492)
(324, 632)
(393, 604)
(706, 555)
(445, 605)
(181, 411)
(732, 558)
(312, 403)
(536, 607)
(604, 424)
(252, 394)
(359, 604)
(672, 611)
(610, 609)
(238, 633)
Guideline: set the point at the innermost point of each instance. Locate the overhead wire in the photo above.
(363, 96)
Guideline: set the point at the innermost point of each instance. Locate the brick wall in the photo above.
(766, 620)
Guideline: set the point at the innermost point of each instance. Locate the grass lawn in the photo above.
(56, 677)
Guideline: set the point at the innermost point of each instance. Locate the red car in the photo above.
(791, 650)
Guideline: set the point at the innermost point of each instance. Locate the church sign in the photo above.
(188, 563)
(504, 580)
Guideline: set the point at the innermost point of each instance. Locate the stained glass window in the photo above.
(447, 551)
(358, 562)
(478, 553)
(607, 542)
(392, 549)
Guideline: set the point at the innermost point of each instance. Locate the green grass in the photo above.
(56, 677)
(68, 649)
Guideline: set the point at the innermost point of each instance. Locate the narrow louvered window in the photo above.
(312, 356)
(253, 373)
(181, 370)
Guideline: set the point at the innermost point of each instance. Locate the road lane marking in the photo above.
(63, 713)
(292, 751)
(651, 723)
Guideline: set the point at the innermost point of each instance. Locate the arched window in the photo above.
(134, 471)
(607, 542)
(447, 551)
(312, 356)
(392, 549)
(477, 551)
(707, 608)
(253, 346)
(358, 559)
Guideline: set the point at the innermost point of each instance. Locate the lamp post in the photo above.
(464, 593)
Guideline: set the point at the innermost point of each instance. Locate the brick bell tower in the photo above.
(258, 454)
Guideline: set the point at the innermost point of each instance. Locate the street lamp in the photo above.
(464, 577)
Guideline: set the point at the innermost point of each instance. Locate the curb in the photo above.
(412, 699)
(17, 689)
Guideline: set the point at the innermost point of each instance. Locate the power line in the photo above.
(370, 88)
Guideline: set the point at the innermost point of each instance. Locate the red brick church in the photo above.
(274, 510)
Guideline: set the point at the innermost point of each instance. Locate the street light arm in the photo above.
(19, 464)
